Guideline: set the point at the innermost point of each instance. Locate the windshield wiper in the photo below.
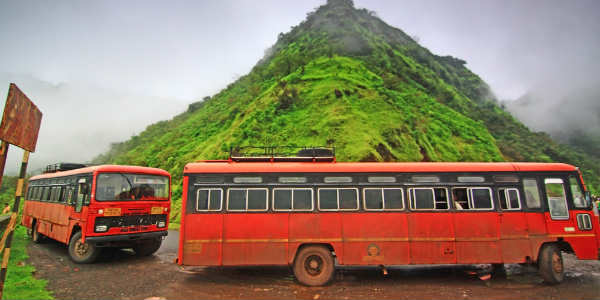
(130, 185)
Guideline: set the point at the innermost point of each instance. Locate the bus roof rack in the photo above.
(58, 167)
(282, 154)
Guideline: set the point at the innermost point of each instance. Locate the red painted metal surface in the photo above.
(21, 120)
(358, 167)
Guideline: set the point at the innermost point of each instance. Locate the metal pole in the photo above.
(3, 154)
(15, 210)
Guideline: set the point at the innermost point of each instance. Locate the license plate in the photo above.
(156, 211)
(112, 211)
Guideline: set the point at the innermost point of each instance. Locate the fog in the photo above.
(101, 71)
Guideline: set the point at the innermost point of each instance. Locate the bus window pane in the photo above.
(46, 194)
(578, 198)
(513, 196)
(502, 198)
(441, 198)
(202, 200)
(282, 199)
(61, 194)
(302, 200)
(257, 199)
(423, 199)
(393, 199)
(557, 202)
(236, 200)
(482, 199)
(348, 199)
(328, 199)
(215, 199)
(373, 199)
(532, 194)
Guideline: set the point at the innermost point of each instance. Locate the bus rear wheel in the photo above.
(314, 266)
(148, 247)
(82, 253)
(551, 264)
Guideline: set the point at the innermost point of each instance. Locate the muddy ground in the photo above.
(122, 275)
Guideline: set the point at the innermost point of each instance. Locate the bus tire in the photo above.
(314, 266)
(36, 236)
(82, 253)
(551, 264)
(147, 248)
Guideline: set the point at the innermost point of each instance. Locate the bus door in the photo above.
(430, 227)
(476, 225)
(514, 233)
(557, 221)
(80, 200)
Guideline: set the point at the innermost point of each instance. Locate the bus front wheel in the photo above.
(314, 266)
(551, 264)
(82, 253)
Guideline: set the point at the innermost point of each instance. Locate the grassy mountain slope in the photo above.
(343, 77)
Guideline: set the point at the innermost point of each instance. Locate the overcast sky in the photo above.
(101, 71)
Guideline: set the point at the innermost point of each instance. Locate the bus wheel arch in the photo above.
(82, 253)
(550, 262)
(314, 264)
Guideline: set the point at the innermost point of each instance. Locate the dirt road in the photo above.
(121, 275)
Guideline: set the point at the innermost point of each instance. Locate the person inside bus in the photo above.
(459, 197)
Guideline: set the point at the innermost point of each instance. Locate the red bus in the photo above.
(90, 208)
(316, 215)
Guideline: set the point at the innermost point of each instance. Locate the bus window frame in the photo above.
(208, 199)
(540, 191)
(247, 190)
(412, 196)
(581, 190)
(547, 198)
(338, 188)
(505, 190)
(364, 190)
(292, 189)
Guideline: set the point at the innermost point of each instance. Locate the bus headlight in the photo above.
(101, 228)
(161, 224)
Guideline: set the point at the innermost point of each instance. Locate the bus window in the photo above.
(46, 193)
(576, 193)
(241, 199)
(481, 198)
(532, 193)
(298, 199)
(383, 198)
(557, 201)
(209, 199)
(509, 199)
(338, 199)
(428, 198)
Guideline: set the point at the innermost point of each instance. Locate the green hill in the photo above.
(343, 77)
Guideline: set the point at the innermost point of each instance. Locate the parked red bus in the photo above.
(90, 208)
(310, 214)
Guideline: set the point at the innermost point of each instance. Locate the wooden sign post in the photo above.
(20, 126)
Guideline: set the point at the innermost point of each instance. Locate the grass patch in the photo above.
(20, 283)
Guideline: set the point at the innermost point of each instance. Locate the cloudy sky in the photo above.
(101, 71)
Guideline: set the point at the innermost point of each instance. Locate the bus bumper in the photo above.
(132, 237)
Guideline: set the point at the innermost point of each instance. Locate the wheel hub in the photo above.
(81, 248)
(313, 265)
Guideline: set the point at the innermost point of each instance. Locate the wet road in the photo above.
(122, 275)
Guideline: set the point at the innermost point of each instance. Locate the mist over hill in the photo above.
(345, 78)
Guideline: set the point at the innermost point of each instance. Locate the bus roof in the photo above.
(368, 167)
(104, 168)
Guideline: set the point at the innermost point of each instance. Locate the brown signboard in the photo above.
(21, 120)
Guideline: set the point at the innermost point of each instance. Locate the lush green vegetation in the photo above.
(20, 283)
(7, 190)
(345, 78)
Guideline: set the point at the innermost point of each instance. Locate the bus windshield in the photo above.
(128, 187)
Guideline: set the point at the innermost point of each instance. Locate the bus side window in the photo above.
(509, 198)
(557, 200)
(532, 193)
(579, 200)
(428, 198)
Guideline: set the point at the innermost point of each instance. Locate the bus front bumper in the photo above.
(132, 237)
